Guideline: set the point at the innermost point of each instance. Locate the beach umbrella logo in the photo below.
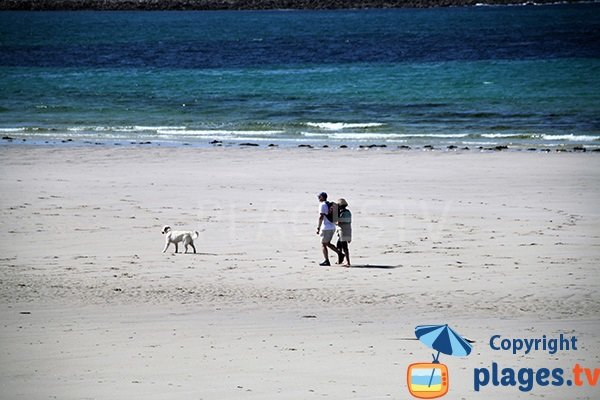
(431, 380)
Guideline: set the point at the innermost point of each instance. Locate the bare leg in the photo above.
(339, 247)
(332, 247)
(347, 252)
(325, 252)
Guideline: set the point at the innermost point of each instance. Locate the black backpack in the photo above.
(331, 211)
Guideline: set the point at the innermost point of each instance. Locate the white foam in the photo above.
(363, 136)
(156, 128)
(505, 135)
(436, 135)
(575, 138)
(90, 128)
(233, 139)
(136, 128)
(338, 126)
(481, 143)
(316, 135)
(11, 130)
(395, 136)
(213, 132)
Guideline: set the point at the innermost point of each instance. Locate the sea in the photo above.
(517, 77)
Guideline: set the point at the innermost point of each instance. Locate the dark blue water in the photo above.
(484, 75)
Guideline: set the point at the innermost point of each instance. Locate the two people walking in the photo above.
(332, 216)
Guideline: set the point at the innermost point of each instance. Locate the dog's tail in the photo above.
(195, 235)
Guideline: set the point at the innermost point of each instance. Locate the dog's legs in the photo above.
(176, 247)
(193, 247)
(166, 246)
(188, 241)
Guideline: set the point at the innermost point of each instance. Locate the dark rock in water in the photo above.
(466, 148)
(145, 142)
(562, 150)
(500, 148)
(6, 138)
(249, 144)
(452, 147)
(545, 150)
(215, 142)
(371, 146)
(325, 146)
(532, 149)
(308, 146)
(595, 151)
(579, 148)
(404, 147)
(67, 140)
(343, 146)
(428, 147)
(273, 145)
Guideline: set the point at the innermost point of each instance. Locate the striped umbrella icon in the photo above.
(443, 339)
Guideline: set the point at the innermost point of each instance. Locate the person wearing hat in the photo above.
(326, 218)
(344, 231)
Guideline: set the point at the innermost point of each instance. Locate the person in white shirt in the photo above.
(326, 218)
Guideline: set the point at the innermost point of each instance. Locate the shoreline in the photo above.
(11, 141)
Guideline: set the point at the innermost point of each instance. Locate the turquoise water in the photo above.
(517, 76)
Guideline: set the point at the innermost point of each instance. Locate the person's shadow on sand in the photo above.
(374, 266)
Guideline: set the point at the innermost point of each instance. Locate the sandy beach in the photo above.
(490, 243)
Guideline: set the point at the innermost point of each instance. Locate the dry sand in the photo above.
(490, 243)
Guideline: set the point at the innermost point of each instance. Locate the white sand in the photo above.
(503, 243)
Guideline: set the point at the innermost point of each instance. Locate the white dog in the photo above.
(179, 236)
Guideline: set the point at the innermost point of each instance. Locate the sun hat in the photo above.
(342, 203)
